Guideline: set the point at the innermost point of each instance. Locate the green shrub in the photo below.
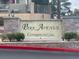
(70, 35)
(10, 36)
(3, 37)
(19, 36)
(13, 36)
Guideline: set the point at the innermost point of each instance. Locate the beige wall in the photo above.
(28, 16)
(48, 29)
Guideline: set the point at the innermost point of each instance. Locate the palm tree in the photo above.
(66, 5)
(53, 8)
(56, 6)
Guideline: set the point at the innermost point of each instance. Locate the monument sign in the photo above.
(35, 29)
(42, 29)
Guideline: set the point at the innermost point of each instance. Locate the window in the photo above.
(4, 1)
(12, 1)
(17, 1)
(41, 1)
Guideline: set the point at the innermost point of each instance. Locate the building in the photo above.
(25, 9)
(16, 5)
(42, 6)
(24, 6)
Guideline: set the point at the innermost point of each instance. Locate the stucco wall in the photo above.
(11, 24)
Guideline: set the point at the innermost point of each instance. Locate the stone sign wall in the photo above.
(71, 23)
(11, 24)
(42, 29)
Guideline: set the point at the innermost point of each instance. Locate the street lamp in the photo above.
(11, 11)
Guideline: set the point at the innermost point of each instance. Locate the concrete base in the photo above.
(43, 40)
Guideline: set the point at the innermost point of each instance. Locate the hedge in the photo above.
(13, 36)
(70, 35)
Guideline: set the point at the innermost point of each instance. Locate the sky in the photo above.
(75, 4)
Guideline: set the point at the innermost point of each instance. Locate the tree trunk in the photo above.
(58, 9)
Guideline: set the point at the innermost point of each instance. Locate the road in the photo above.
(23, 54)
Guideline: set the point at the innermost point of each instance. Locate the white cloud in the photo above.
(49, 0)
(75, 4)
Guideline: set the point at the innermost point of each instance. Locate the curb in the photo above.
(40, 48)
